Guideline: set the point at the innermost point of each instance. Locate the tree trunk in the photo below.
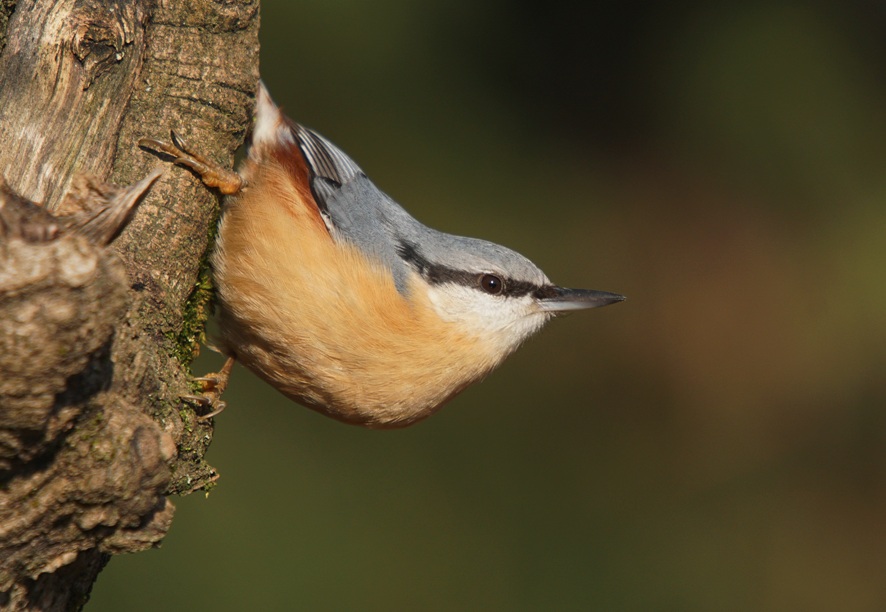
(95, 340)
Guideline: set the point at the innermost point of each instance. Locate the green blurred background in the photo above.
(717, 442)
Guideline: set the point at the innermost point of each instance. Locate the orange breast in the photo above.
(322, 323)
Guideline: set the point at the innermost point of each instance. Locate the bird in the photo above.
(341, 300)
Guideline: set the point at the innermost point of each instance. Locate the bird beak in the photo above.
(559, 299)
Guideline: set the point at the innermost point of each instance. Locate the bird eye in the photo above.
(491, 284)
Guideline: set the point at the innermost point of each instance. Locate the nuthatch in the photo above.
(340, 299)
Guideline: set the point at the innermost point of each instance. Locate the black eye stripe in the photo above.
(437, 274)
(543, 293)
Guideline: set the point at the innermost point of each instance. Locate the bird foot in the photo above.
(212, 174)
(212, 386)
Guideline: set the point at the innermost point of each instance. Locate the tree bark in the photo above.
(96, 340)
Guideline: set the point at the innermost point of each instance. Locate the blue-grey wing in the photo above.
(353, 207)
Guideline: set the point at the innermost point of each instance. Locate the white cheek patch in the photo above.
(502, 320)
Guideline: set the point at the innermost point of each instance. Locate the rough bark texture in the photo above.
(95, 340)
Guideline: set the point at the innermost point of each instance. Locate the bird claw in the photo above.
(212, 387)
(220, 405)
(212, 380)
(212, 174)
(214, 348)
(197, 399)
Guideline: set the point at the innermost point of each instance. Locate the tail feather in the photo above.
(272, 128)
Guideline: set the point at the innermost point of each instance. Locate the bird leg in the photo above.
(228, 182)
(212, 174)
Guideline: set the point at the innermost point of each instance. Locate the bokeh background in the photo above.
(717, 442)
